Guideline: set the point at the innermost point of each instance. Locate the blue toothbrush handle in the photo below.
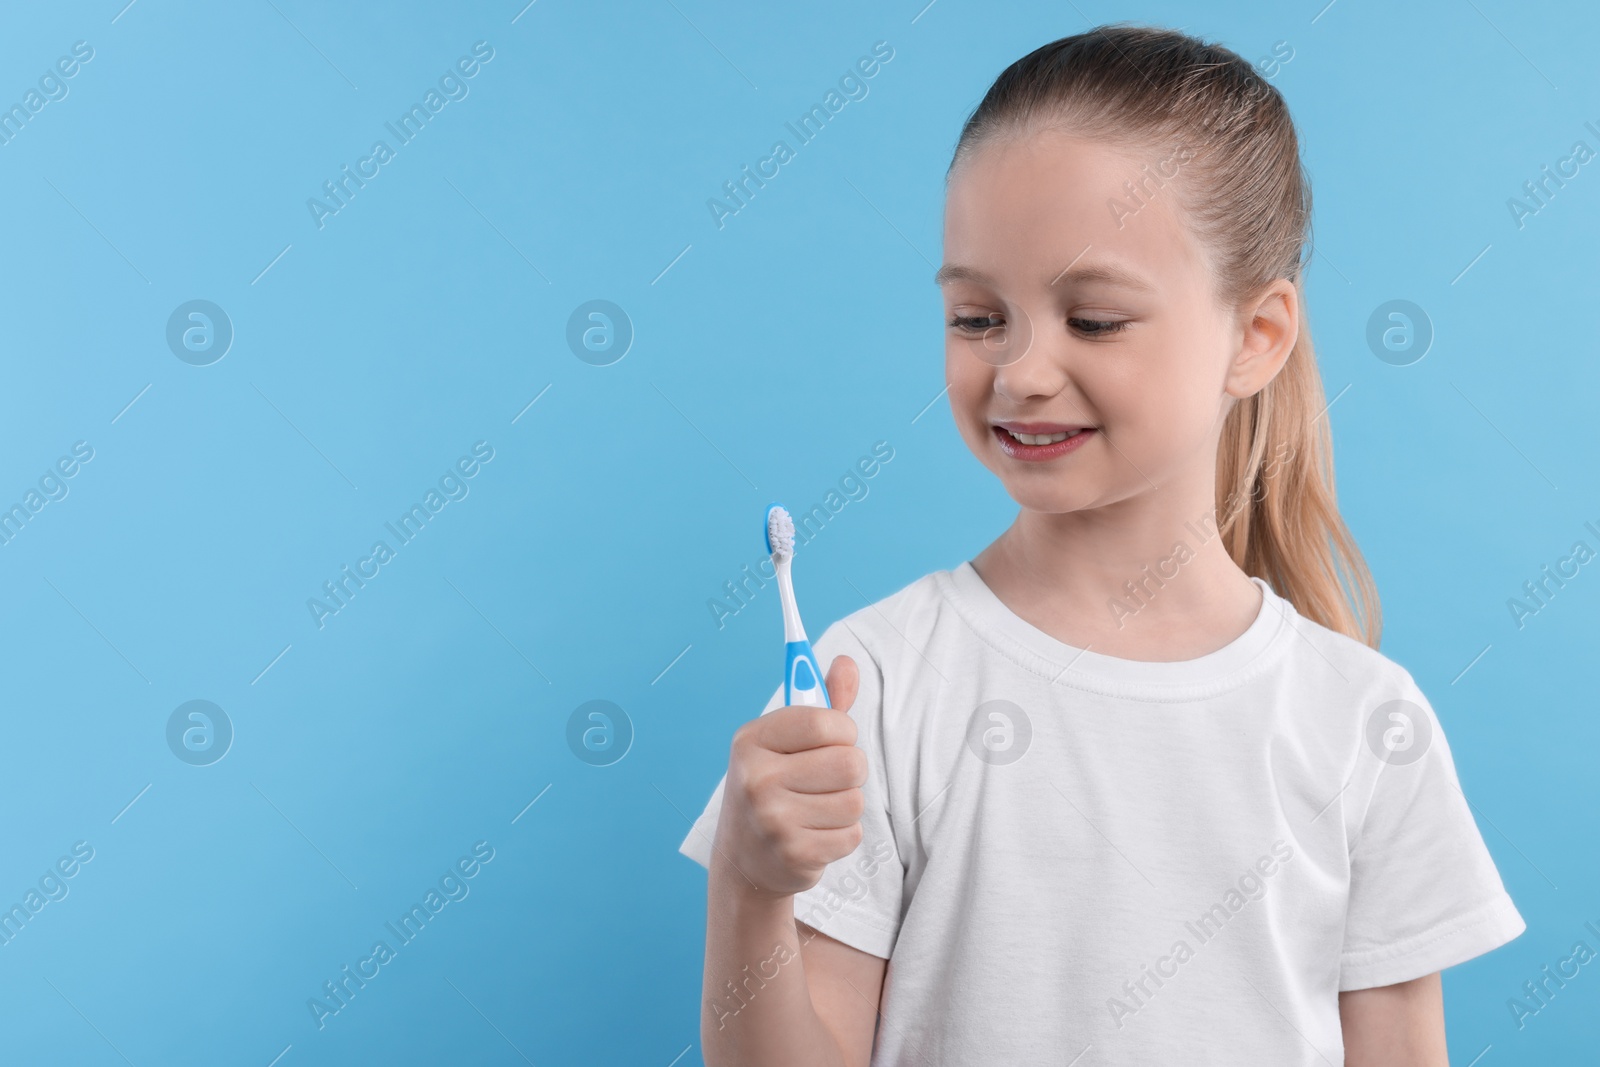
(802, 679)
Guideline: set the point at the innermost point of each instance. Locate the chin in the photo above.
(1047, 499)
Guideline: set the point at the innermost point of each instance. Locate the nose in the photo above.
(1041, 369)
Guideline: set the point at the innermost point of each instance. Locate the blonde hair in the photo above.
(1249, 202)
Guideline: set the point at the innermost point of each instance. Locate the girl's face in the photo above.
(1082, 304)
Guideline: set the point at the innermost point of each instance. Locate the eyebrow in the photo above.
(1088, 273)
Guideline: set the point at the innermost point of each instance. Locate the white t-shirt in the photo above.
(1066, 854)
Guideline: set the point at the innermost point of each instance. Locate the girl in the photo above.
(1133, 785)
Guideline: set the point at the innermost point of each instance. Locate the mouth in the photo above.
(1040, 441)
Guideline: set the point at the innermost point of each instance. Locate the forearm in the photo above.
(756, 1007)
(1400, 1025)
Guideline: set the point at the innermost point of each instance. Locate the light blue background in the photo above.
(428, 313)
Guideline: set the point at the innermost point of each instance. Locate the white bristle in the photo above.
(780, 529)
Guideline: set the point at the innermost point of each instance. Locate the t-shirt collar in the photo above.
(1087, 669)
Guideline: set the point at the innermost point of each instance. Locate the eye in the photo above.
(1087, 327)
(979, 323)
(1098, 327)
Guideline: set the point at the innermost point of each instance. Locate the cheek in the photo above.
(1123, 388)
(1140, 401)
(1176, 397)
(971, 382)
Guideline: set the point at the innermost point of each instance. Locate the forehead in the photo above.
(1022, 208)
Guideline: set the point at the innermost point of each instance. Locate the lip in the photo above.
(1039, 453)
(1042, 427)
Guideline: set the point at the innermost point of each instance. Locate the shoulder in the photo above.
(880, 629)
(1342, 667)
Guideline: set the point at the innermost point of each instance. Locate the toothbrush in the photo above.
(802, 679)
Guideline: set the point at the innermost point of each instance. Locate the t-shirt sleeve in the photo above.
(1424, 891)
(858, 899)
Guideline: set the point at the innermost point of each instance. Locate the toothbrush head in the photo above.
(780, 533)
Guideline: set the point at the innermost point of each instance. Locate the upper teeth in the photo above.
(1041, 438)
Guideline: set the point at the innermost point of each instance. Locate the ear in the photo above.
(1268, 327)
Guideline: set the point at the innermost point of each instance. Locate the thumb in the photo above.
(844, 681)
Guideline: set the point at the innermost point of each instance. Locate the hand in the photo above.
(793, 802)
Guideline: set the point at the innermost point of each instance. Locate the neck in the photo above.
(1140, 579)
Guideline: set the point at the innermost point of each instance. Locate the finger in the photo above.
(844, 681)
(830, 846)
(828, 769)
(832, 811)
(799, 729)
